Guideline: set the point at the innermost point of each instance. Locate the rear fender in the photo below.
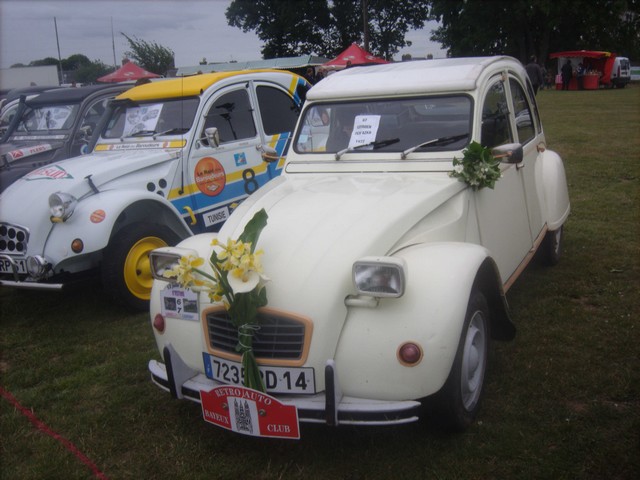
(551, 182)
(440, 278)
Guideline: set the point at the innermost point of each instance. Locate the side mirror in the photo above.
(85, 132)
(268, 154)
(213, 136)
(508, 153)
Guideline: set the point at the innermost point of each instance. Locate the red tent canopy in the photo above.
(357, 55)
(128, 71)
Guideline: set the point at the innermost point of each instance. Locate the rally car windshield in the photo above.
(48, 118)
(390, 125)
(166, 117)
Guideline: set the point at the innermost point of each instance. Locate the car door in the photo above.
(528, 130)
(248, 116)
(225, 174)
(502, 214)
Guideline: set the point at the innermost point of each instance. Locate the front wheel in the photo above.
(126, 273)
(456, 405)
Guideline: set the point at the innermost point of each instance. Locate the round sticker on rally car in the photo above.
(210, 176)
(97, 216)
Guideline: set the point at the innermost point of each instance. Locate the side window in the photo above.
(93, 114)
(232, 115)
(278, 111)
(522, 112)
(495, 117)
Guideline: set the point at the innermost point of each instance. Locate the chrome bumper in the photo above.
(329, 407)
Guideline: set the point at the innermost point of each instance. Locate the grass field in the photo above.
(562, 402)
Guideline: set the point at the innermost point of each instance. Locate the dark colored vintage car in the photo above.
(51, 126)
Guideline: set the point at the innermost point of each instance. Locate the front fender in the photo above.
(98, 217)
(552, 187)
(440, 278)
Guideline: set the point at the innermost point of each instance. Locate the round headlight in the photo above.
(61, 206)
(36, 266)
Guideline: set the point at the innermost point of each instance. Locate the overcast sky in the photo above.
(193, 29)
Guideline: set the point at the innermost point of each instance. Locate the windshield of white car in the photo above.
(47, 118)
(162, 117)
(412, 124)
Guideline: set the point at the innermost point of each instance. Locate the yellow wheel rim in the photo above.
(137, 271)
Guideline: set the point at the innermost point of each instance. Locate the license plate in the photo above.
(276, 379)
(5, 265)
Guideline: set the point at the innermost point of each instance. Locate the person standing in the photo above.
(535, 73)
(567, 73)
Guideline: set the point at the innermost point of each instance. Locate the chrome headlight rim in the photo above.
(162, 260)
(380, 277)
(61, 206)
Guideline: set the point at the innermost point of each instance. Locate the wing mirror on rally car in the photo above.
(508, 153)
(213, 136)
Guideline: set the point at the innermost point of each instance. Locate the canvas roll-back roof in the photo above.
(181, 87)
(406, 78)
(71, 94)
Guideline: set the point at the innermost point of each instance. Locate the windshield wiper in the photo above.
(143, 133)
(378, 144)
(171, 131)
(436, 142)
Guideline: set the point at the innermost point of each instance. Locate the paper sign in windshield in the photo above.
(142, 119)
(52, 118)
(365, 129)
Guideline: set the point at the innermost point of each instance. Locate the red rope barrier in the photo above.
(45, 429)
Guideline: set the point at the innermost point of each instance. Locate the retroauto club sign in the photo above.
(249, 412)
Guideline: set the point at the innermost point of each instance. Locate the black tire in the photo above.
(551, 248)
(455, 406)
(126, 275)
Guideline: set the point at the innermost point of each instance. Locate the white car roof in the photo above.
(406, 78)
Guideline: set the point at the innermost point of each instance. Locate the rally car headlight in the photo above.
(165, 259)
(61, 206)
(380, 276)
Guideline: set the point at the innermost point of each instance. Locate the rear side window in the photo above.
(278, 111)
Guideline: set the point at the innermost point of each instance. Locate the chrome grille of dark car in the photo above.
(13, 239)
(278, 337)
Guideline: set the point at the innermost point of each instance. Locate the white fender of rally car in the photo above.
(97, 217)
(551, 182)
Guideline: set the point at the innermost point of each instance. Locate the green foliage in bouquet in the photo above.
(478, 167)
(238, 283)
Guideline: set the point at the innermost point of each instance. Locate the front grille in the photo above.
(278, 336)
(13, 239)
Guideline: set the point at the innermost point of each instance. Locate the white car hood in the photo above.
(319, 225)
(26, 201)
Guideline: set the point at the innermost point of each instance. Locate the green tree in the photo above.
(326, 28)
(90, 72)
(149, 55)
(44, 61)
(522, 28)
(74, 62)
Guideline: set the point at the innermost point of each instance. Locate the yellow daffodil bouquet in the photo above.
(238, 282)
(478, 167)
